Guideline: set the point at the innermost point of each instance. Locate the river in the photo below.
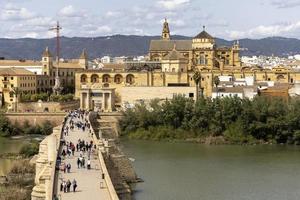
(183, 171)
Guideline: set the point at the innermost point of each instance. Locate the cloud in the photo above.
(285, 3)
(13, 13)
(70, 11)
(172, 4)
(266, 31)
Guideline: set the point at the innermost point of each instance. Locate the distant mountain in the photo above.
(119, 45)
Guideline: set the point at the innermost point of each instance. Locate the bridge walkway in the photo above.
(88, 181)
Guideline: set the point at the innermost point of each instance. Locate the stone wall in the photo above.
(45, 166)
(119, 167)
(49, 106)
(133, 94)
(36, 118)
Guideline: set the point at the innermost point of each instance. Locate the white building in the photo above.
(106, 59)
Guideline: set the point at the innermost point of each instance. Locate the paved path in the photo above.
(88, 181)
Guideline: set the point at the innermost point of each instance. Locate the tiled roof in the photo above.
(167, 45)
(173, 55)
(12, 63)
(68, 65)
(15, 71)
(229, 89)
(204, 35)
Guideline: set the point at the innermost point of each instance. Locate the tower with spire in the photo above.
(166, 31)
(83, 59)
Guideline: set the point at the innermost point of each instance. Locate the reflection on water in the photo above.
(8, 146)
(194, 171)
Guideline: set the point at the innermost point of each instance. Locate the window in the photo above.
(191, 95)
(11, 78)
(45, 59)
(202, 60)
(5, 86)
(292, 80)
(45, 73)
(12, 85)
(5, 78)
(83, 78)
(11, 94)
(269, 79)
(45, 66)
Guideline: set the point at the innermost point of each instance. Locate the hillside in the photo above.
(119, 45)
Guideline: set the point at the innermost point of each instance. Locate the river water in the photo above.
(182, 171)
(8, 146)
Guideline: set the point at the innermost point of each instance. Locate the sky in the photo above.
(228, 19)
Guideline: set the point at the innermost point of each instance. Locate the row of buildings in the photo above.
(169, 69)
(19, 77)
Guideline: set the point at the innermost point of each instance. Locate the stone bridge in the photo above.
(91, 184)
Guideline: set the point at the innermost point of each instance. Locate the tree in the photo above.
(217, 82)
(197, 80)
(16, 92)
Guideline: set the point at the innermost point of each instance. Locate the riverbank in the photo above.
(225, 121)
(169, 134)
(18, 183)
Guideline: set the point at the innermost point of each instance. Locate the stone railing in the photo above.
(45, 166)
(101, 149)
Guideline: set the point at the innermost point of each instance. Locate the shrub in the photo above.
(29, 150)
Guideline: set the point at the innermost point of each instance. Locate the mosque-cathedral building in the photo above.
(169, 70)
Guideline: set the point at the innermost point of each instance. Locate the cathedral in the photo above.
(199, 53)
(170, 70)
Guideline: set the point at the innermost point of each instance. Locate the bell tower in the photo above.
(47, 62)
(83, 59)
(166, 31)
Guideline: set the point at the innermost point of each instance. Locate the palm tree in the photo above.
(16, 92)
(217, 82)
(197, 79)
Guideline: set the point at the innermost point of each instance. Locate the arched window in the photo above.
(106, 78)
(95, 78)
(280, 77)
(130, 79)
(202, 60)
(118, 79)
(83, 78)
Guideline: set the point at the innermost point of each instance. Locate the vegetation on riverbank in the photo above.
(236, 120)
(47, 97)
(19, 182)
(8, 129)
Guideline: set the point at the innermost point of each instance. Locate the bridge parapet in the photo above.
(102, 148)
(45, 166)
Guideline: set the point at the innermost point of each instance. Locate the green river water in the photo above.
(183, 171)
(194, 171)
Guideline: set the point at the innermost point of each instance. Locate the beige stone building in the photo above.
(170, 71)
(45, 70)
(14, 82)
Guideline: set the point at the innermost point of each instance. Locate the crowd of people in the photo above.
(80, 150)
